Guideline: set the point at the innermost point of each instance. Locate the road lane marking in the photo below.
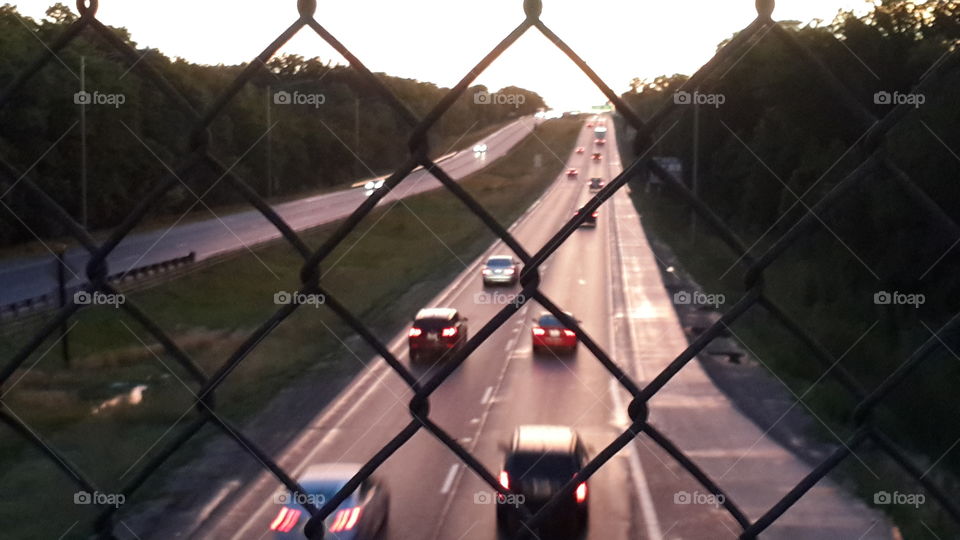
(486, 395)
(448, 481)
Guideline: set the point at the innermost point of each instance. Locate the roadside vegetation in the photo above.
(401, 256)
(780, 135)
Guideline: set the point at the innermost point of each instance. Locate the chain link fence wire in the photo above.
(198, 156)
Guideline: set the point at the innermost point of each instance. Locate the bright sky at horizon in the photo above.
(439, 40)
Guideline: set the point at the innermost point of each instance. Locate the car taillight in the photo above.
(569, 333)
(345, 519)
(415, 332)
(581, 492)
(595, 214)
(487, 271)
(449, 332)
(285, 520)
(504, 479)
(537, 331)
(508, 271)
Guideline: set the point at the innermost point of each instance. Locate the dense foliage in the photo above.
(131, 145)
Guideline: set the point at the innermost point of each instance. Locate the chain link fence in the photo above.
(199, 156)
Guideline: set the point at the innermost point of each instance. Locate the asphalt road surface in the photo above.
(32, 277)
(608, 278)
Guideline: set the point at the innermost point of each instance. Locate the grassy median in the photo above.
(400, 256)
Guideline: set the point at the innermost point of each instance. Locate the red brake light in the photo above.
(537, 331)
(354, 517)
(449, 332)
(595, 214)
(504, 479)
(345, 519)
(285, 520)
(508, 271)
(581, 493)
(569, 333)
(415, 332)
(487, 271)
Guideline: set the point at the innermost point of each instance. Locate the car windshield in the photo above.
(527, 465)
(549, 321)
(319, 492)
(431, 325)
(500, 262)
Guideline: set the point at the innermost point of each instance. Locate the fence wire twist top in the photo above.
(198, 156)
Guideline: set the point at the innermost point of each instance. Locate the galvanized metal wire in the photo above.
(199, 156)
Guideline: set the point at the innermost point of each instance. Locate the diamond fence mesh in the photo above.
(200, 156)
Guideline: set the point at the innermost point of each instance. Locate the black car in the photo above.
(539, 463)
(436, 333)
(596, 184)
(591, 220)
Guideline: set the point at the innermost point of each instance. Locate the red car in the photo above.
(589, 124)
(550, 334)
(597, 156)
(580, 149)
(436, 333)
(572, 173)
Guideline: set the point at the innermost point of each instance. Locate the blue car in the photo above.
(361, 516)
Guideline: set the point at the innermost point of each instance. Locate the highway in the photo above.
(31, 277)
(608, 278)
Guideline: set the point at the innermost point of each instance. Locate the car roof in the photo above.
(326, 472)
(436, 313)
(544, 439)
(500, 257)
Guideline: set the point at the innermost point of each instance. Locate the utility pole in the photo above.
(83, 144)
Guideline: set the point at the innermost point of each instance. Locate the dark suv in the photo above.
(436, 333)
(540, 461)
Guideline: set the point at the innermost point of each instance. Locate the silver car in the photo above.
(501, 270)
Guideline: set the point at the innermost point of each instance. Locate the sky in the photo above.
(440, 40)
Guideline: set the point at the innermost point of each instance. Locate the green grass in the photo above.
(399, 258)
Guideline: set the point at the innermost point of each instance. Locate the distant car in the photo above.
(540, 461)
(600, 142)
(589, 125)
(480, 148)
(591, 220)
(595, 185)
(372, 186)
(550, 334)
(581, 149)
(361, 516)
(501, 269)
(572, 173)
(436, 333)
(596, 156)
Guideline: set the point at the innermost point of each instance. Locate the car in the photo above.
(595, 185)
(372, 186)
(572, 173)
(480, 148)
(581, 149)
(539, 462)
(596, 156)
(436, 333)
(548, 333)
(501, 269)
(600, 142)
(589, 125)
(591, 220)
(361, 516)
